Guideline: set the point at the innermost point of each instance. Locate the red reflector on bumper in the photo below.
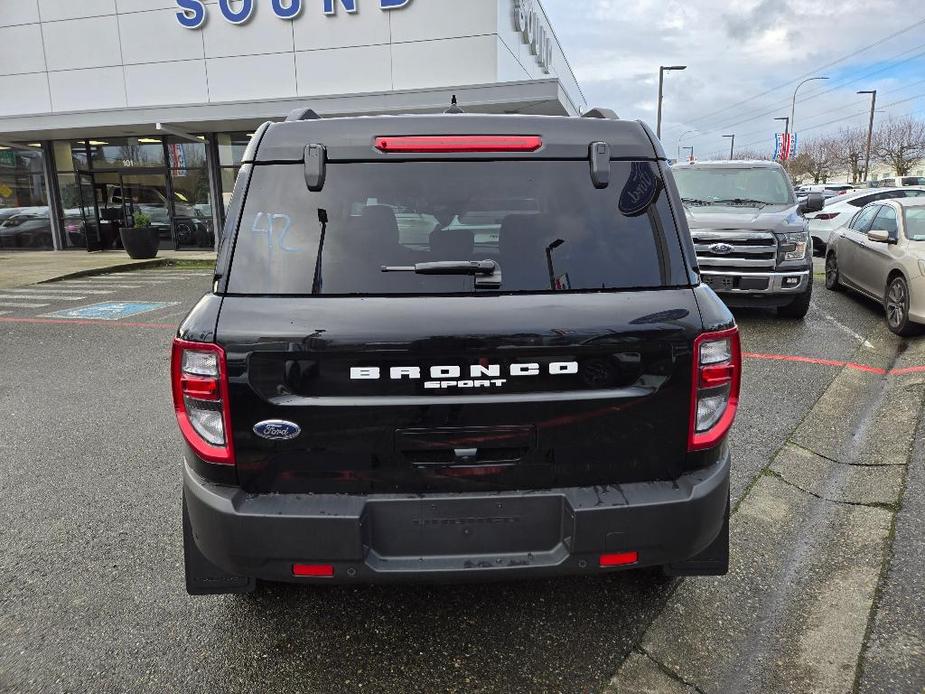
(619, 559)
(313, 570)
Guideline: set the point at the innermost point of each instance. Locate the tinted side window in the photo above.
(543, 222)
(886, 221)
(863, 219)
(861, 201)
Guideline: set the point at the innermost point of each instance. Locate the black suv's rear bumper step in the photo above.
(381, 538)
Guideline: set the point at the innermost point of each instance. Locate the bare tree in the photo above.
(751, 154)
(850, 146)
(900, 143)
(815, 160)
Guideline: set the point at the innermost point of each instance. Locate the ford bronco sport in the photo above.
(454, 347)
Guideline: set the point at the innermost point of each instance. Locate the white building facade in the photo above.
(115, 107)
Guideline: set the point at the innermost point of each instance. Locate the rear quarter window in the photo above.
(543, 222)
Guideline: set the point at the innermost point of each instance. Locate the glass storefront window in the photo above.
(24, 216)
(229, 175)
(231, 147)
(192, 208)
(184, 154)
(71, 156)
(126, 152)
(72, 219)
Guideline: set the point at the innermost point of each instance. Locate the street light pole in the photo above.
(870, 129)
(661, 84)
(793, 106)
(732, 146)
(681, 137)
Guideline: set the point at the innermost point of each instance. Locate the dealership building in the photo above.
(113, 109)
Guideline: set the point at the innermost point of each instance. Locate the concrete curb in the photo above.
(90, 272)
(809, 543)
(129, 267)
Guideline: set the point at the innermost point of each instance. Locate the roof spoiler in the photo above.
(600, 113)
(302, 114)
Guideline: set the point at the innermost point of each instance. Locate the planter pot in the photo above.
(140, 242)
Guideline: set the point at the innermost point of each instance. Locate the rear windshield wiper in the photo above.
(487, 273)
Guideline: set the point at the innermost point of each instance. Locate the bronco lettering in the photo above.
(476, 371)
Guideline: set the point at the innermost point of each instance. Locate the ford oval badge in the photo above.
(277, 430)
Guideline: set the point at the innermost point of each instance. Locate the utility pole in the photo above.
(732, 146)
(691, 148)
(661, 84)
(870, 129)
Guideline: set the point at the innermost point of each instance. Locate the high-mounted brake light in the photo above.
(200, 398)
(717, 377)
(445, 144)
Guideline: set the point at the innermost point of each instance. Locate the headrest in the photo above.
(457, 244)
(521, 232)
(379, 225)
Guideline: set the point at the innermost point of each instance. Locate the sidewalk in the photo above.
(34, 267)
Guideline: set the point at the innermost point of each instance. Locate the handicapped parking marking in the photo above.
(111, 310)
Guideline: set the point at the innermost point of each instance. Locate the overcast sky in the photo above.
(737, 49)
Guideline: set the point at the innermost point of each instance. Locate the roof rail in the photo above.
(302, 114)
(600, 113)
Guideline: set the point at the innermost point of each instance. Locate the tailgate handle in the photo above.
(465, 445)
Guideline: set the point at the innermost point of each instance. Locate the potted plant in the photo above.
(140, 240)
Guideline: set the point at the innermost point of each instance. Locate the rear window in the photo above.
(543, 222)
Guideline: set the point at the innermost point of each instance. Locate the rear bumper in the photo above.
(468, 537)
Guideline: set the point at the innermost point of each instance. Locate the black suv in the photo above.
(454, 347)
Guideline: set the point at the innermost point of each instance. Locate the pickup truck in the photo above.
(751, 238)
(548, 396)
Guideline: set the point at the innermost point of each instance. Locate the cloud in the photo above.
(764, 16)
(735, 52)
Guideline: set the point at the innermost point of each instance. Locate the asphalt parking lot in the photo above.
(825, 592)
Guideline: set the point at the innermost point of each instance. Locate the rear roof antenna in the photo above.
(454, 107)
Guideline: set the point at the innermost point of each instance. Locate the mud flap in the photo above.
(713, 561)
(202, 576)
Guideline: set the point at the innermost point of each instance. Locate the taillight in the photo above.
(715, 392)
(200, 398)
(826, 216)
(440, 144)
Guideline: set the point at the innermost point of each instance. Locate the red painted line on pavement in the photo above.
(908, 370)
(66, 321)
(835, 362)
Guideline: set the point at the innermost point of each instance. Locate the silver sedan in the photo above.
(881, 253)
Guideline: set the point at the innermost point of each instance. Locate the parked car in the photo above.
(838, 211)
(881, 253)
(898, 182)
(752, 243)
(828, 190)
(550, 398)
(27, 230)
